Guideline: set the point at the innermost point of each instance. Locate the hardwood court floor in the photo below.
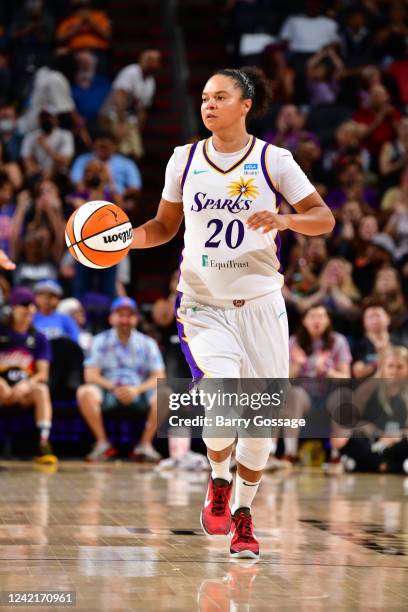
(125, 538)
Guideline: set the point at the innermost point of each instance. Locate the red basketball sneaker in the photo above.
(244, 544)
(216, 515)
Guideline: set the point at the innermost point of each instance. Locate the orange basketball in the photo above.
(98, 234)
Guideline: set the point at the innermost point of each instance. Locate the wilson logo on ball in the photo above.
(123, 236)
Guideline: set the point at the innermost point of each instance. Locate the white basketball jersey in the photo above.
(222, 259)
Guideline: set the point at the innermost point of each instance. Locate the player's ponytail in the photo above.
(253, 85)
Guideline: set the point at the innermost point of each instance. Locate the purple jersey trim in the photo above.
(268, 178)
(188, 164)
(195, 370)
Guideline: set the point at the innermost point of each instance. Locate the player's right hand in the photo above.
(5, 261)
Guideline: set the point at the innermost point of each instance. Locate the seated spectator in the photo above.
(395, 199)
(48, 150)
(10, 137)
(316, 351)
(96, 185)
(47, 320)
(394, 31)
(121, 373)
(393, 156)
(384, 408)
(89, 89)
(50, 90)
(7, 211)
(289, 129)
(24, 365)
(307, 259)
(352, 186)
(123, 171)
(308, 155)
(84, 28)
(379, 119)
(346, 242)
(336, 292)
(44, 211)
(132, 93)
(74, 309)
(397, 224)
(31, 36)
(356, 39)
(307, 32)
(323, 72)
(347, 148)
(388, 288)
(34, 258)
(280, 75)
(379, 252)
(376, 338)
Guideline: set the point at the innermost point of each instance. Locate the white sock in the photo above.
(221, 469)
(291, 446)
(44, 427)
(245, 492)
(102, 446)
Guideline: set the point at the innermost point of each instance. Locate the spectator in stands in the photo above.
(73, 308)
(356, 39)
(347, 148)
(123, 171)
(10, 137)
(47, 320)
(121, 373)
(132, 94)
(395, 199)
(345, 242)
(289, 129)
(393, 156)
(280, 75)
(376, 338)
(336, 291)
(393, 34)
(388, 288)
(379, 252)
(307, 32)
(31, 36)
(96, 185)
(323, 72)
(351, 186)
(24, 366)
(383, 406)
(43, 212)
(379, 119)
(35, 259)
(85, 28)
(89, 88)
(7, 211)
(305, 265)
(48, 150)
(316, 350)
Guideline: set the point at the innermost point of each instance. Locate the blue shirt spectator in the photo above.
(89, 89)
(124, 171)
(129, 364)
(51, 323)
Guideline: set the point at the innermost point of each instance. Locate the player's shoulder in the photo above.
(181, 153)
(273, 151)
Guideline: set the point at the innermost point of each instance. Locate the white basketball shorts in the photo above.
(249, 340)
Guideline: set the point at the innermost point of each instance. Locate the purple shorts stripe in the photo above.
(195, 370)
(188, 164)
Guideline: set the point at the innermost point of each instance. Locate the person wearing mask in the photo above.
(47, 319)
(123, 171)
(10, 137)
(121, 372)
(24, 366)
(49, 149)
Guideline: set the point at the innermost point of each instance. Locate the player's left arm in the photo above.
(313, 218)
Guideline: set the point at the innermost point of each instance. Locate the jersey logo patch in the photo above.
(243, 187)
(251, 169)
(199, 171)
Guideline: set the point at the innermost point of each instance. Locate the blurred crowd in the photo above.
(71, 131)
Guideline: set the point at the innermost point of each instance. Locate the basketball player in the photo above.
(230, 309)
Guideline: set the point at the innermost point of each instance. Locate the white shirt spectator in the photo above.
(51, 90)
(131, 80)
(308, 34)
(61, 141)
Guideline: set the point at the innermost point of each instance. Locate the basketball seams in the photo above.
(84, 225)
(82, 215)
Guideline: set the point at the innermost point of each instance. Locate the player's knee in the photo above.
(253, 453)
(218, 444)
(40, 388)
